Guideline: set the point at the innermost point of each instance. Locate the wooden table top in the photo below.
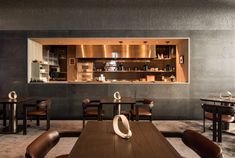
(123, 100)
(98, 140)
(6, 100)
(218, 99)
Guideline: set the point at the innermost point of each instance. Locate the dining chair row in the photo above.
(144, 110)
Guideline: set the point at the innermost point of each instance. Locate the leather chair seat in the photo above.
(36, 112)
(225, 118)
(142, 112)
(93, 112)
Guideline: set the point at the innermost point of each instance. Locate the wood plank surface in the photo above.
(98, 140)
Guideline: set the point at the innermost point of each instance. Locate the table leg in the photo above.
(99, 112)
(214, 127)
(4, 115)
(219, 128)
(12, 119)
(119, 109)
(137, 113)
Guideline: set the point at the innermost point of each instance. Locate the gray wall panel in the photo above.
(117, 14)
(209, 24)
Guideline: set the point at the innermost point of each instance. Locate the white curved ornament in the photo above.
(117, 95)
(125, 124)
(12, 95)
(229, 94)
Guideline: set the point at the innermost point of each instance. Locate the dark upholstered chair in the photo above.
(41, 109)
(208, 114)
(218, 114)
(204, 147)
(1, 114)
(4, 115)
(143, 109)
(46, 141)
(91, 110)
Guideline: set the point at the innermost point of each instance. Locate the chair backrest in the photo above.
(85, 102)
(221, 109)
(204, 147)
(146, 103)
(44, 104)
(42, 144)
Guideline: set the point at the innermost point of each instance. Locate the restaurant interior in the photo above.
(97, 79)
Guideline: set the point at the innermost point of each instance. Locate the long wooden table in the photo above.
(98, 140)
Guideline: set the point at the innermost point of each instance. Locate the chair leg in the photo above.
(151, 119)
(204, 123)
(25, 121)
(38, 121)
(4, 115)
(83, 122)
(48, 122)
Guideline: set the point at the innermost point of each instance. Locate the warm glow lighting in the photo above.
(82, 49)
(127, 51)
(105, 50)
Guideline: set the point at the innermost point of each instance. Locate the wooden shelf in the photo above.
(164, 59)
(134, 71)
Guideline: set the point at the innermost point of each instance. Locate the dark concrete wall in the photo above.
(209, 24)
(117, 14)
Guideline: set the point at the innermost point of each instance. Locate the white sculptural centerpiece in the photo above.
(226, 97)
(123, 118)
(12, 95)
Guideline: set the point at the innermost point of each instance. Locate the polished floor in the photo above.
(14, 145)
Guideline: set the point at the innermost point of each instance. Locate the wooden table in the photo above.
(217, 99)
(12, 103)
(98, 140)
(116, 103)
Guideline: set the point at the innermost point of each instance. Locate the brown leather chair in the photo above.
(209, 116)
(91, 110)
(143, 108)
(40, 109)
(204, 147)
(1, 113)
(46, 141)
(218, 114)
